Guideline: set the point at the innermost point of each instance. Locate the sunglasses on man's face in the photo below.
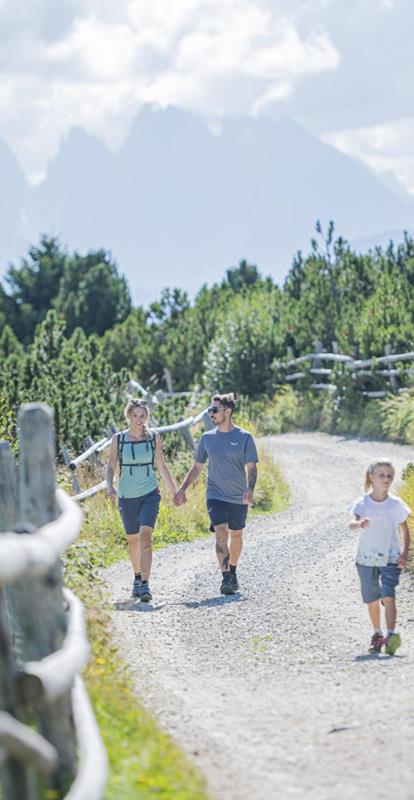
(213, 409)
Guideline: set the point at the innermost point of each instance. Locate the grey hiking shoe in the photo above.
(136, 587)
(145, 593)
(226, 584)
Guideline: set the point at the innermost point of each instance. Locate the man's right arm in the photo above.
(191, 476)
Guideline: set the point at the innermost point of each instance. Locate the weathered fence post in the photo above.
(39, 600)
(208, 425)
(187, 437)
(16, 780)
(66, 458)
(168, 379)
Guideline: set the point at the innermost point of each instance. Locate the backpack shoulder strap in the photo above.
(121, 440)
(152, 443)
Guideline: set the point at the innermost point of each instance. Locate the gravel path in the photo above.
(271, 691)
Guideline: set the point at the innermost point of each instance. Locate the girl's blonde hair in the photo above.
(136, 402)
(383, 462)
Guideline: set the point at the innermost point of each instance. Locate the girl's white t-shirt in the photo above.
(379, 544)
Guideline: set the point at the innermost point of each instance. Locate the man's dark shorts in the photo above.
(137, 511)
(231, 514)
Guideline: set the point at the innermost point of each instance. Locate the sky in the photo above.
(341, 68)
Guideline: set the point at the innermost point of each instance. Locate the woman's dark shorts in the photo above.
(137, 511)
(378, 582)
(231, 514)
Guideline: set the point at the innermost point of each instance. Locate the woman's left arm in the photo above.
(162, 467)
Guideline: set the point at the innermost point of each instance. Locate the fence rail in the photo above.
(360, 369)
(43, 644)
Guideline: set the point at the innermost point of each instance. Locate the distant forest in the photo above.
(69, 333)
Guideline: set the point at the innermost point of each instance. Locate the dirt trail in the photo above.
(271, 691)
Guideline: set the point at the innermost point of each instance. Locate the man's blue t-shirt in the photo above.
(227, 455)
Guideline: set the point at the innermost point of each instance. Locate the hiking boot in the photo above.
(226, 584)
(392, 643)
(136, 587)
(377, 642)
(234, 581)
(144, 592)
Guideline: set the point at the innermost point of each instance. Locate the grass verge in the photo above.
(144, 762)
(406, 492)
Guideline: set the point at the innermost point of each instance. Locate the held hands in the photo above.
(248, 497)
(179, 498)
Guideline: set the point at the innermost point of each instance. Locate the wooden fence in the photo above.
(49, 738)
(94, 449)
(359, 370)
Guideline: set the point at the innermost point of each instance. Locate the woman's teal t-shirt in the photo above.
(137, 476)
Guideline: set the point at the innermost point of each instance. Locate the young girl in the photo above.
(379, 561)
(138, 450)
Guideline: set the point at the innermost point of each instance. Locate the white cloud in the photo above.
(384, 148)
(213, 57)
(95, 50)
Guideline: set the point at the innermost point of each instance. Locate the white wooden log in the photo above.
(92, 771)
(391, 359)
(99, 487)
(375, 394)
(87, 454)
(200, 417)
(106, 443)
(45, 680)
(35, 553)
(185, 423)
(360, 364)
(295, 376)
(26, 745)
(320, 371)
(303, 359)
(322, 357)
(328, 387)
(388, 359)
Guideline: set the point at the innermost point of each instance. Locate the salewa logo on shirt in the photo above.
(235, 444)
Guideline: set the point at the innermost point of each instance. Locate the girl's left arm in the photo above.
(406, 543)
(162, 467)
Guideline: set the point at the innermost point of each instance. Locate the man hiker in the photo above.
(231, 453)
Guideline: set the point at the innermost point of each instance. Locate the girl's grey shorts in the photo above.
(137, 511)
(378, 582)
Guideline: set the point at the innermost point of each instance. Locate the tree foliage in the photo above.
(68, 335)
(87, 291)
